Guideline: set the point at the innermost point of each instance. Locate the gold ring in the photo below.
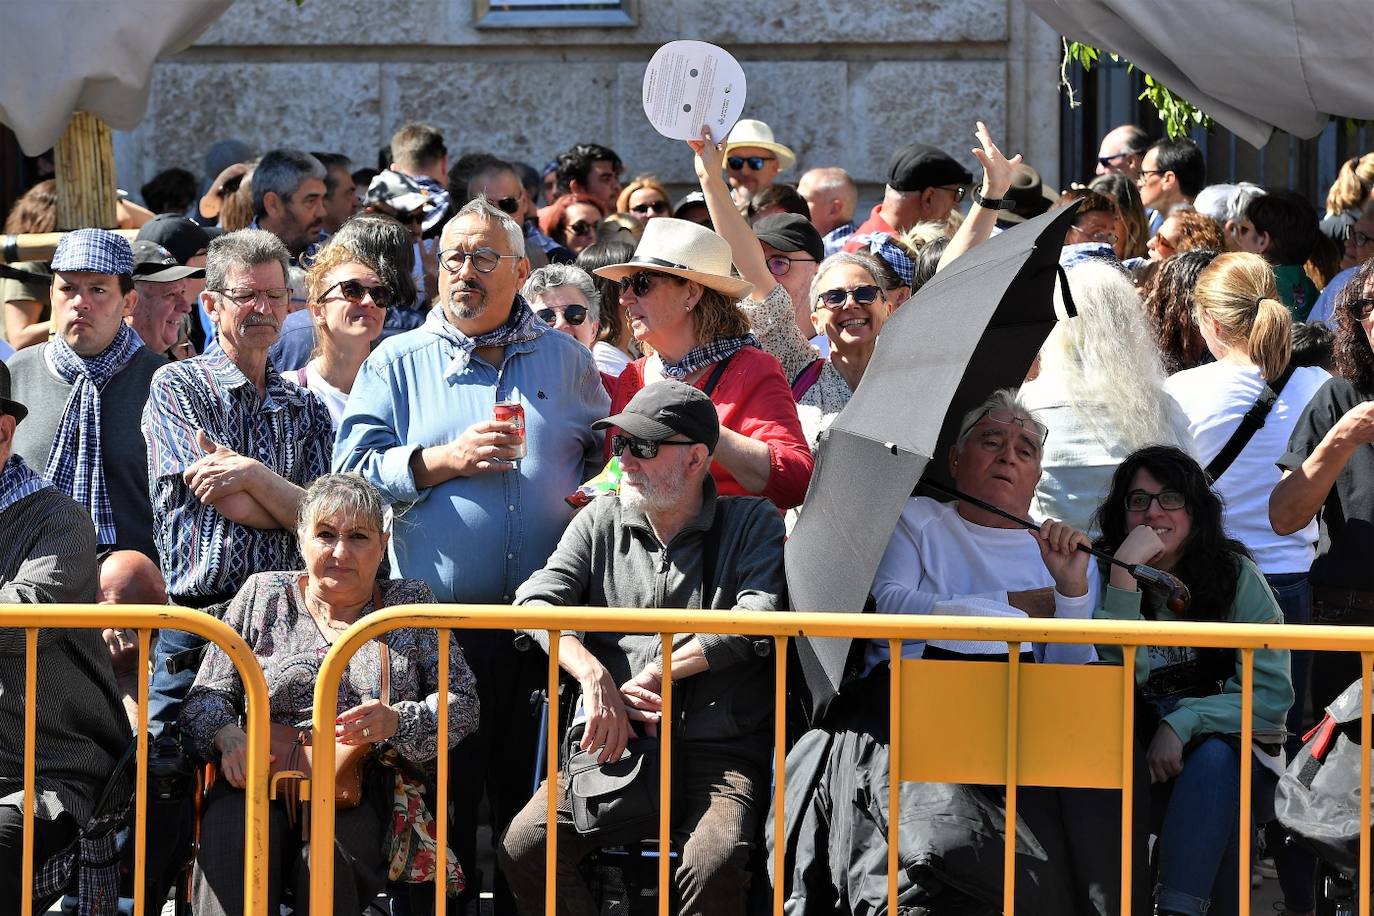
(366, 732)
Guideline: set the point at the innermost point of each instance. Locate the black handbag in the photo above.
(620, 797)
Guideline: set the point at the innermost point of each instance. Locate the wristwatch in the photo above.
(993, 203)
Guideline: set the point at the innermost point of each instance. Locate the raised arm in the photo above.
(997, 172)
(729, 223)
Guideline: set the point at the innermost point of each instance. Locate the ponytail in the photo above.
(1270, 341)
(1352, 185)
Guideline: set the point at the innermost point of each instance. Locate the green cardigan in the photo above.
(1219, 713)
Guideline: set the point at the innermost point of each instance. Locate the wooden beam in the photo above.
(86, 174)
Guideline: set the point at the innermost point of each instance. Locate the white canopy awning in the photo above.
(1254, 65)
(62, 56)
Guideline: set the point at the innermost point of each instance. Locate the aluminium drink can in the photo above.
(512, 412)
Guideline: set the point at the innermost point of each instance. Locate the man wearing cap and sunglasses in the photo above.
(667, 541)
(924, 184)
(47, 555)
(87, 388)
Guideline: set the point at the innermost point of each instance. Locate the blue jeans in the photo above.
(1297, 868)
(1199, 842)
(167, 690)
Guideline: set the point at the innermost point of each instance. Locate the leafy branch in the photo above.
(1179, 115)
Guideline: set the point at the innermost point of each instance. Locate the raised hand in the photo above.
(997, 168)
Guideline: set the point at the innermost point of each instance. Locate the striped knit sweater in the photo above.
(47, 555)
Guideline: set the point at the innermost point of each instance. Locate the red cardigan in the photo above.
(753, 399)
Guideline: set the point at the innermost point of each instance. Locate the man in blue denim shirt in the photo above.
(473, 521)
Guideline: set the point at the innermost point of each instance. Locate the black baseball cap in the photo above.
(790, 232)
(918, 166)
(156, 264)
(7, 404)
(179, 235)
(663, 409)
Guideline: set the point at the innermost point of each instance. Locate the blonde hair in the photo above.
(1352, 184)
(1238, 292)
(640, 182)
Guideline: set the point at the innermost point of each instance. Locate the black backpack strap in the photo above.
(1249, 425)
(716, 373)
(710, 555)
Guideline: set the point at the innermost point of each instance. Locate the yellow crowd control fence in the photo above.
(145, 619)
(1010, 722)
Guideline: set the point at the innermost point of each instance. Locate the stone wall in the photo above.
(841, 81)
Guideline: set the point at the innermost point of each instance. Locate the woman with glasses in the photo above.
(645, 198)
(682, 302)
(565, 297)
(1100, 389)
(1249, 331)
(1160, 511)
(347, 301)
(571, 221)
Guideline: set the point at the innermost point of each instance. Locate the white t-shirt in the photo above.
(1215, 397)
(609, 358)
(331, 397)
(939, 563)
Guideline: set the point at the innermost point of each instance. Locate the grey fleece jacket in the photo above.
(610, 557)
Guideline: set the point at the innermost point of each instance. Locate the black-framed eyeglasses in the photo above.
(1144, 172)
(735, 163)
(245, 295)
(1169, 500)
(1362, 308)
(642, 281)
(355, 290)
(654, 206)
(957, 190)
(572, 314)
(410, 219)
(643, 449)
(836, 298)
(484, 259)
(509, 205)
(780, 264)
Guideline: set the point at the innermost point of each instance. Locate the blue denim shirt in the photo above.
(474, 539)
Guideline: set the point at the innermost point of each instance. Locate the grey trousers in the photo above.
(715, 813)
(217, 882)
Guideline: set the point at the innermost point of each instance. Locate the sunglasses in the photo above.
(572, 314)
(1106, 161)
(484, 259)
(957, 190)
(641, 282)
(643, 449)
(581, 227)
(657, 206)
(509, 205)
(1169, 500)
(836, 298)
(754, 162)
(355, 290)
(780, 264)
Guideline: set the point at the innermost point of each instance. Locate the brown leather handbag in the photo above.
(293, 758)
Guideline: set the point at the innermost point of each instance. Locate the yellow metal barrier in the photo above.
(1018, 760)
(146, 618)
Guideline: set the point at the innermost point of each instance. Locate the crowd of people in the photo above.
(306, 392)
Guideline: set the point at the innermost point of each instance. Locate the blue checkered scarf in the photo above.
(703, 355)
(74, 464)
(18, 480)
(522, 325)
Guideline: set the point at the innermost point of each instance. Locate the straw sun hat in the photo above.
(683, 249)
(748, 132)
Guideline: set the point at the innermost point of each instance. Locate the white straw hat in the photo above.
(748, 132)
(683, 249)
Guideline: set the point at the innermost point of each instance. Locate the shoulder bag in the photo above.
(1250, 424)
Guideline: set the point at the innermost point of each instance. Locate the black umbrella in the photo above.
(975, 327)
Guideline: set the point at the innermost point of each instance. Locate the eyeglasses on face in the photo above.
(643, 449)
(1001, 415)
(1359, 238)
(780, 264)
(1144, 172)
(642, 281)
(246, 295)
(957, 190)
(355, 290)
(1169, 500)
(657, 207)
(580, 228)
(509, 205)
(756, 163)
(1095, 236)
(572, 314)
(484, 259)
(1106, 161)
(410, 219)
(836, 298)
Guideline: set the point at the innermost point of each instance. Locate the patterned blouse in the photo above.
(271, 615)
(775, 325)
(288, 430)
